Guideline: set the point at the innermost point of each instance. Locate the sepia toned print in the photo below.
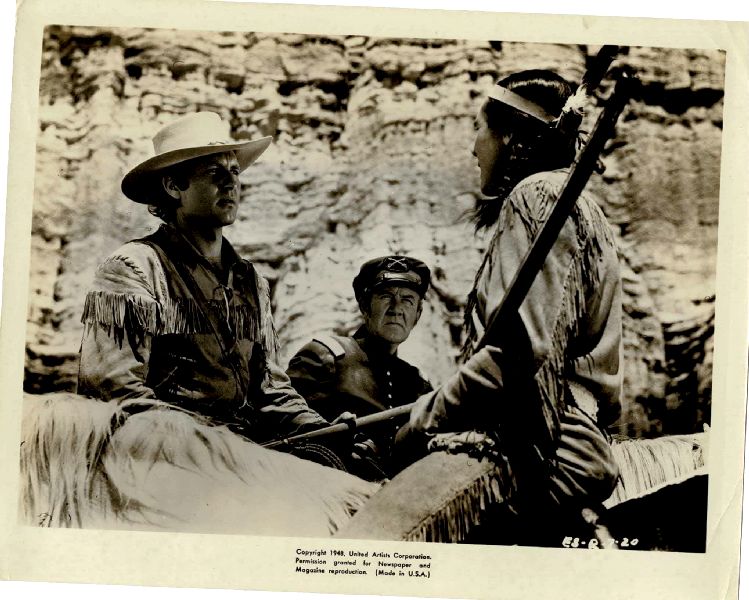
(372, 155)
(185, 465)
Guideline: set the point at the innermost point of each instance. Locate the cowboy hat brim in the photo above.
(138, 182)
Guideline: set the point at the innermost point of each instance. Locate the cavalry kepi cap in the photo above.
(191, 136)
(391, 270)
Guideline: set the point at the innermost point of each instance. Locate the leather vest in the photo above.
(209, 358)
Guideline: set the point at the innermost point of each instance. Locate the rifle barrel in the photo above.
(365, 421)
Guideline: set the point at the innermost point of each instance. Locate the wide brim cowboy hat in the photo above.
(191, 136)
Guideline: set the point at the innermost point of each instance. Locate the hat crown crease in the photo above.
(200, 129)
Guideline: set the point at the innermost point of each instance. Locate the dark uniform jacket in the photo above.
(337, 374)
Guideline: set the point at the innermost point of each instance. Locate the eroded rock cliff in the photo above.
(372, 155)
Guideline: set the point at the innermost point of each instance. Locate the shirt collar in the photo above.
(191, 255)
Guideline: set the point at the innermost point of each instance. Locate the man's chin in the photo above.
(394, 334)
(227, 219)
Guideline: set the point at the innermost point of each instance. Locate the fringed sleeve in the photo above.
(469, 399)
(572, 315)
(267, 327)
(572, 312)
(121, 313)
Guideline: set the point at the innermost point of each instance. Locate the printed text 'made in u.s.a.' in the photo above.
(333, 561)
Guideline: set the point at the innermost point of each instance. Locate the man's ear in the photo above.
(170, 186)
(418, 310)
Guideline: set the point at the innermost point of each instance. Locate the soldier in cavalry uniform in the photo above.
(362, 374)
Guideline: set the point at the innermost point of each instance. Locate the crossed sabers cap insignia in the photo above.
(397, 265)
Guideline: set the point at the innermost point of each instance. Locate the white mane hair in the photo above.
(646, 466)
(92, 464)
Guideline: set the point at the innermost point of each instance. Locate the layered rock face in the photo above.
(372, 156)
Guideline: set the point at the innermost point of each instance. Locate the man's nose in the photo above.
(229, 181)
(396, 307)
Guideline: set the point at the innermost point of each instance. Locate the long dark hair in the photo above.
(534, 146)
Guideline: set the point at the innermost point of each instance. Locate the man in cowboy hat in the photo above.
(362, 374)
(178, 316)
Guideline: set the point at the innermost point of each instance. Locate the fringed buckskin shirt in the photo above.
(573, 317)
(147, 336)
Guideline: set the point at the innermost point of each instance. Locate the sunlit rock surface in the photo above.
(372, 155)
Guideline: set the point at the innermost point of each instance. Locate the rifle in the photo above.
(577, 179)
(378, 417)
(533, 261)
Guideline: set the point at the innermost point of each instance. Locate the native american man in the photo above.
(571, 317)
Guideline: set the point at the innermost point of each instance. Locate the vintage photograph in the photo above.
(378, 288)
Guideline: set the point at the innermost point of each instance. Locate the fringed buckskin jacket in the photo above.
(573, 317)
(147, 335)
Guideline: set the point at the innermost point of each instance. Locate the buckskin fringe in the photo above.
(591, 229)
(136, 316)
(458, 517)
(441, 497)
(268, 333)
(582, 276)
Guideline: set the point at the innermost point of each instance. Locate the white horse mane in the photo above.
(86, 463)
